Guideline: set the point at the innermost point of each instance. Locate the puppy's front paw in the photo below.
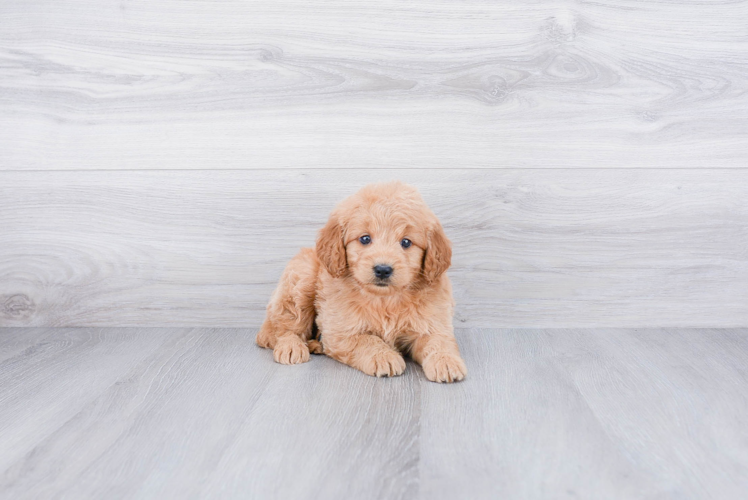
(290, 351)
(444, 367)
(385, 363)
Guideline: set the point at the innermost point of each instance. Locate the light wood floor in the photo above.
(181, 413)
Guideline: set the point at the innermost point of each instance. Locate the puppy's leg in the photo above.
(439, 356)
(365, 352)
(290, 313)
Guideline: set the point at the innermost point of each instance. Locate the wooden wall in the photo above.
(161, 161)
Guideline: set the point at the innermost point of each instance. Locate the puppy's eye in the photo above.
(406, 243)
(365, 239)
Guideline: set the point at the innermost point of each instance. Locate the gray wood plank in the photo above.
(563, 248)
(159, 430)
(15, 340)
(43, 386)
(519, 429)
(591, 413)
(290, 84)
(681, 402)
(210, 413)
(325, 430)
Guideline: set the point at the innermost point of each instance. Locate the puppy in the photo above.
(372, 289)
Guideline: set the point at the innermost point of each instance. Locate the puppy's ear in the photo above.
(438, 255)
(331, 247)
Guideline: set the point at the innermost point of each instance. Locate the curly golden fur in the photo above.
(373, 299)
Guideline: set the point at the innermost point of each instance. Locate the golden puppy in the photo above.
(374, 287)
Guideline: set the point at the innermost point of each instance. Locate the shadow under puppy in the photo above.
(376, 287)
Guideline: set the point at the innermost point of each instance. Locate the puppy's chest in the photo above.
(389, 323)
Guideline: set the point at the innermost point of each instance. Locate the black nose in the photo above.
(382, 272)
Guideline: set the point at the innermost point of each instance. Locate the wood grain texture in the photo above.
(59, 373)
(564, 248)
(591, 414)
(175, 413)
(421, 84)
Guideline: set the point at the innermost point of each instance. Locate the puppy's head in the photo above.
(385, 238)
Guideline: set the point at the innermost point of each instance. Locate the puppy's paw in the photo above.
(265, 336)
(444, 367)
(385, 363)
(290, 351)
(315, 347)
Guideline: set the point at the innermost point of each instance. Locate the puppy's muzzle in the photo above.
(382, 272)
